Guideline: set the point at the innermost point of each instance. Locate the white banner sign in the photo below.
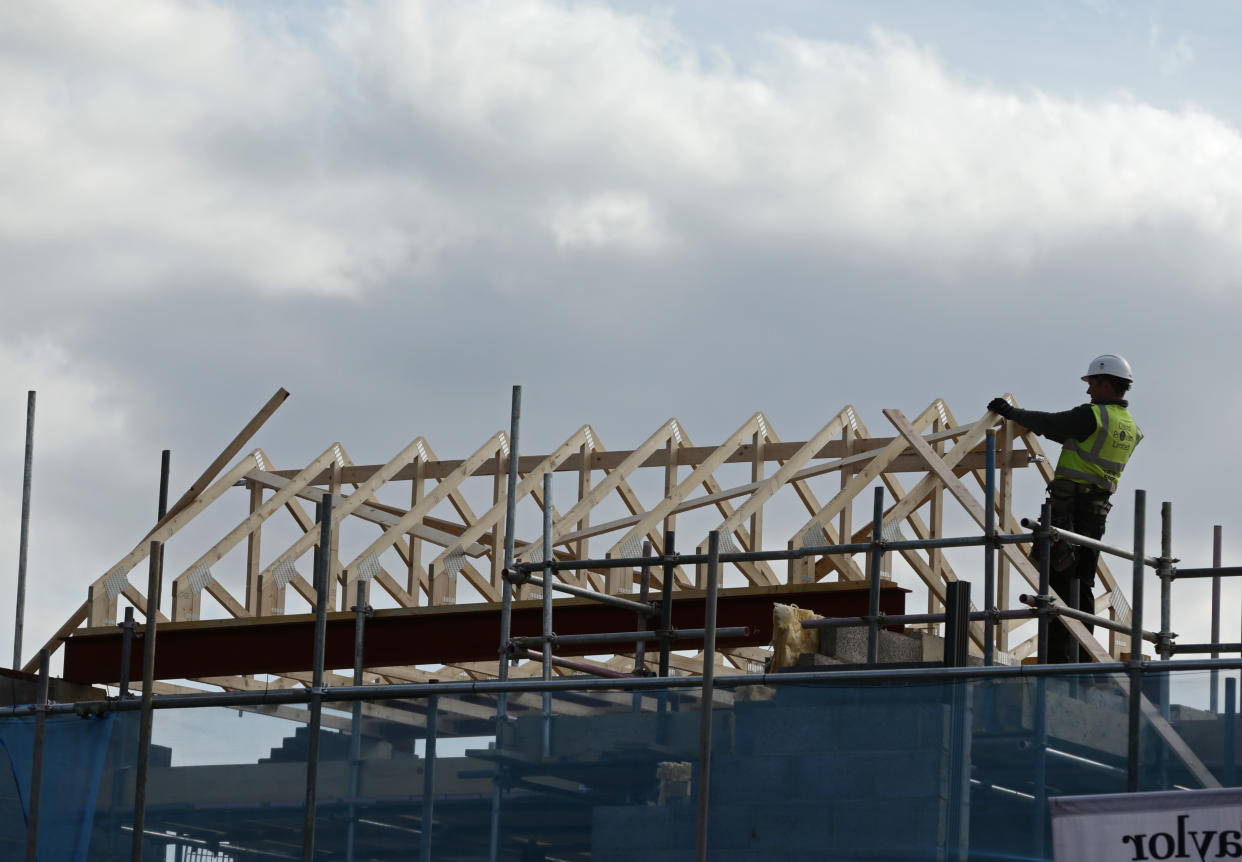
(1200, 825)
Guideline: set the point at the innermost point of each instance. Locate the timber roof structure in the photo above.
(413, 530)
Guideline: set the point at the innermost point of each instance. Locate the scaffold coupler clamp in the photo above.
(515, 576)
(1166, 643)
(1042, 602)
(367, 610)
(508, 652)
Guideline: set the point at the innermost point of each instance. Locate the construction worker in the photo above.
(1096, 440)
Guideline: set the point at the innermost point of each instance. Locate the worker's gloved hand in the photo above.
(1000, 406)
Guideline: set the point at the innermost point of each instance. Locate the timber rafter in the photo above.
(435, 550)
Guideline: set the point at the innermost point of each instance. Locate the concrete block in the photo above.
(645, 829)
(676, 734)
(849, 645)
(783, 730)
(871, 774)
(862, 826)
(915, 727)
(787, 827)
(746, 779)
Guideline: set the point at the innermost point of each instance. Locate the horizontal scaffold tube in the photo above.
(761, 556)
(365, 693)
(915, 619)
(1083, 616)
(1221, 572)
(602, 598)
(1088, 542)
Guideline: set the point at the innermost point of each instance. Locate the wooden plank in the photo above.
(433, 499)
(529, 484)
(103, 609)
(53, 643)
(184, 595)
(583, 547)
(860, 481)
(231, 450)
(414, 566)
(787, 472)
(345, 507)
(905, 463)
(253, 546)
(139, 601)
(610, 459)
(935, 556)
(609, 484)
(675, 495)
(377, 513)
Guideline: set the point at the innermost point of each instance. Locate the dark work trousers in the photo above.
(1080, 509)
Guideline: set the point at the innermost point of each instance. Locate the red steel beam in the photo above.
(437, 635)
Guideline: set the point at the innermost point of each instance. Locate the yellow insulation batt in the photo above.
(789, 638)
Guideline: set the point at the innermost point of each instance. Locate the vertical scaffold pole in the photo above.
(155, 560)
(361, 609)
(547, 611)
(506, 608)
(640, 646)
(322, 567)
(1230, 752)
(666, 602)
(873, 605)
(127, 648)
(23, 543)
(1045, 582)
(989, 550)
(429, 777)
(1165, 571)
(36, 765)
(1215, 676)
(1044, 540)
(705, 705)
(1134, 747)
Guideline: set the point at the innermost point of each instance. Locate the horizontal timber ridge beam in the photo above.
(687, 456)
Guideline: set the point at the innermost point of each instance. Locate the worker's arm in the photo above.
(1075, 424)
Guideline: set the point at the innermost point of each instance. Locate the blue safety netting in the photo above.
(853, 769)
(73, 761)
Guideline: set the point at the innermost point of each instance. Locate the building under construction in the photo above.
(575, 655)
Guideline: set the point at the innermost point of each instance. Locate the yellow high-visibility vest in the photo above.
(1099, 459)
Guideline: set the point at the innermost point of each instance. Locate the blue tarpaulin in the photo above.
(73, 759)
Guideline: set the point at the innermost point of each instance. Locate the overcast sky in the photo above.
(635, 210)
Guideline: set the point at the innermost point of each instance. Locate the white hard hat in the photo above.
(1112, 365)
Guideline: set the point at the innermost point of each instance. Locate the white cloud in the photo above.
(73, 407)
(191, 143)
(619, 220)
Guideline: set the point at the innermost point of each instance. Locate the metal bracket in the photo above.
(517, 577)
(1165, 643)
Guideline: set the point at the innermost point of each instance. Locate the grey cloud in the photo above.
(399, 210)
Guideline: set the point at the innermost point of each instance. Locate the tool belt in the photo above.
(1063, 488)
